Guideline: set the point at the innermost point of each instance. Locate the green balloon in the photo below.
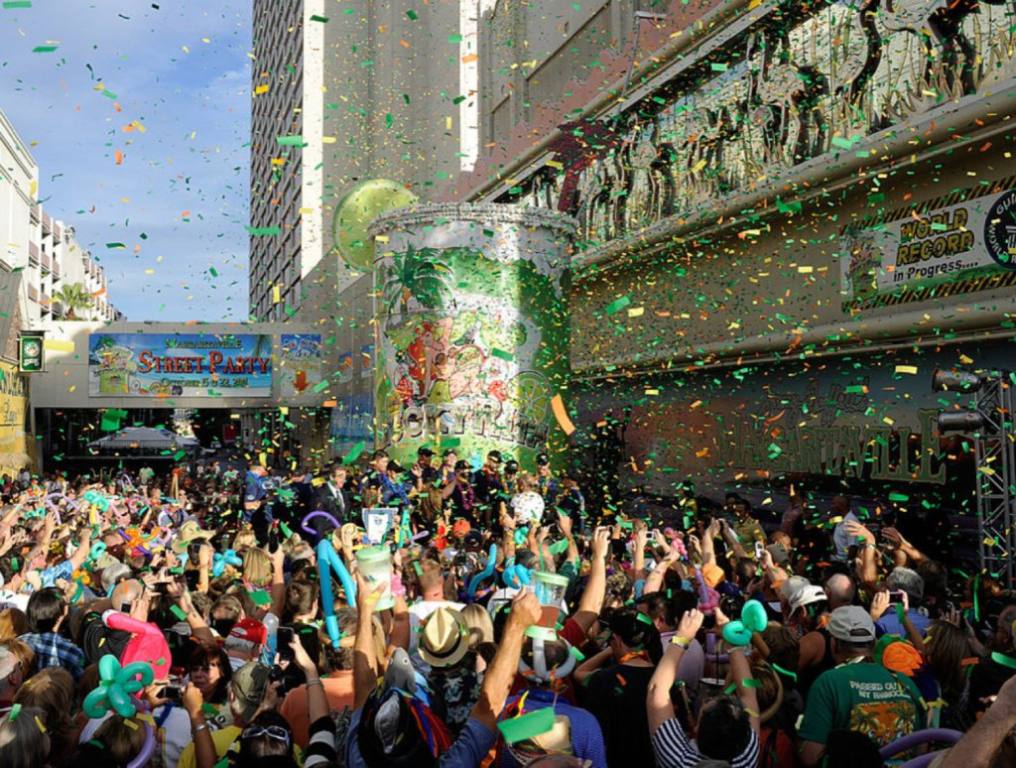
(753, 615)
(361, 205)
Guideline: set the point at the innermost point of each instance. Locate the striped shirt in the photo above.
(675, 750)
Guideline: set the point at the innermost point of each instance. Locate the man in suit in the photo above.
(334, 498)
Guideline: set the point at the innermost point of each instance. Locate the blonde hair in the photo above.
(123, 741)
(257, 567)
(13, 623)
(22, 742)
(481, 628)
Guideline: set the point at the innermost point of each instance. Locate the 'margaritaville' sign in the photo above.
(179, 365)
(953, 243)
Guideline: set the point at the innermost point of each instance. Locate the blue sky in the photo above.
(179, 200)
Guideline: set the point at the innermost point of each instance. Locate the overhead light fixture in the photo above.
(955, 381)
(960, 421)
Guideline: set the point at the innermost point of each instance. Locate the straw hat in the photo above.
(444, 639)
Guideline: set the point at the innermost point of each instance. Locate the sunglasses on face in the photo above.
(276, 732)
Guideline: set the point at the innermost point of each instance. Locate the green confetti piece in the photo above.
(11, 4)
(177, 611)
(751, 682)
(730, 689)
(717, 66)
(842, 143)
(617, 305)
(115, 246)
(322, 385)
(389, 120)
(319, 19)
(260, 597)
(526, 726)
(455, 38)
(290, 141)
(213, 272)
(179, 455)
(502, 354)
(108, 93)
(44, 48)
(354, 453)
(412, 15)
(895, 496)
(286, 531)
(15, 711)
(792, 207)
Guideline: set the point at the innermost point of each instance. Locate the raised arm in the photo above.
(591, 602)
(497, 681)
(659, 708)
(741, 672)
(366, 668)
(81, 553)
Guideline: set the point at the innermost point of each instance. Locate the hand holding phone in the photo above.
(283, 640)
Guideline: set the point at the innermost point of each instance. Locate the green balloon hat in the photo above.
(361, 205)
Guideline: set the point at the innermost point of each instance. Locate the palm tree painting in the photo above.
(418, 274)
(74, 297)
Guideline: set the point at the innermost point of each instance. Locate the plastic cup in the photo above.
(375, 563)
(549, 589)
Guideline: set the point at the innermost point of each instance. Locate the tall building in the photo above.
(275, 169)
(41, 253)
(343, 93)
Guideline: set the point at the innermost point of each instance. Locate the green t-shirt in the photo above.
(864, 697)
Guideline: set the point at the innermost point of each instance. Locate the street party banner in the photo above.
(179, 365)
(957, 243)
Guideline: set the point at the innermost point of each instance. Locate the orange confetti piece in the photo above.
(469, 58)
(118, 157)
(561, 414)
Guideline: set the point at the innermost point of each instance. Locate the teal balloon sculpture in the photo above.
(117, 686)
(753, 619)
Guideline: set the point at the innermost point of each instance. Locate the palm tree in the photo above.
(73, 296)
(420, 274)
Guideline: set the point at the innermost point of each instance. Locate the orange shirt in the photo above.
(339, 692)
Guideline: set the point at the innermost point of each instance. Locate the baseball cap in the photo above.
(852, 624)
(791, 586)
(249, 684)
(251, 630)
(807, 595)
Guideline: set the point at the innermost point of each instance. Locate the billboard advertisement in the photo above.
(300, 363)
(179, 365)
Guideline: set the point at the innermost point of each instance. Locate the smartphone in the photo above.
(283, 638)
(759, 550)
(896, 597)
(172, 693)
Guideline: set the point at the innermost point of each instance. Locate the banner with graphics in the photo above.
(179, 365)
(966, 239)
(300, 363)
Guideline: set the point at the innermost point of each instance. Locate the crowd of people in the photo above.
(462, 616)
